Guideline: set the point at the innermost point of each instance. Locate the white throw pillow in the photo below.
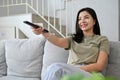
(24, 57)
(3, 66)
(53, 54)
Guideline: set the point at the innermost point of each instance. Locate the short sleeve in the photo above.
(104, 44)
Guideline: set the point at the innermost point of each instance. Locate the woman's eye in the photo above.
(86, 17)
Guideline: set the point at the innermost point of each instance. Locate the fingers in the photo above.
(37, 31)
(39, 24)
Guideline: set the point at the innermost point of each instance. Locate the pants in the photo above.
(57, 70)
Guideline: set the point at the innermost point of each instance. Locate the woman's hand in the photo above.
(37, 31)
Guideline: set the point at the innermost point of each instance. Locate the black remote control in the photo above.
(34, 25)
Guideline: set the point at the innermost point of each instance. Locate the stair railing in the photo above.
(35, 8)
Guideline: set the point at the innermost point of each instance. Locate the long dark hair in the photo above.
(78, 36)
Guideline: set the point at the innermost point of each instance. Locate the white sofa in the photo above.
(27, 59)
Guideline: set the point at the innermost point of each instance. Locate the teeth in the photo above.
(83, 25)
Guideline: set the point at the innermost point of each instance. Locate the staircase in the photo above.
(52, 22)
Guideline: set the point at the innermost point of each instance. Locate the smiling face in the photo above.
(86, 22)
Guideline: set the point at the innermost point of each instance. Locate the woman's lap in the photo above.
(57, 70)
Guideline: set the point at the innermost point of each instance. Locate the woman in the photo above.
(88, 49)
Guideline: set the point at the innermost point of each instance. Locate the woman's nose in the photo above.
(82, 20)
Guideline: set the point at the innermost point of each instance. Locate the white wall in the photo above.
(17, 21)
(107, 12)
(119, 19)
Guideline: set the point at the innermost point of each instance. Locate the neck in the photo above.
(88, 33)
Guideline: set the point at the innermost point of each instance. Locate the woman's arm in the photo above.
(99, 65)
(61, 42)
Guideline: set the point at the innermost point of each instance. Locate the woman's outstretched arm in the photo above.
(61, 42)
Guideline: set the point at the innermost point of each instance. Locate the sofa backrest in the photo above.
(113, 67)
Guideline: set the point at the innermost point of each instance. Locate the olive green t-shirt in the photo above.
(87, 51)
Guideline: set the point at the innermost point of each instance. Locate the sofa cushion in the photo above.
(24, 57)
(113, 68)
(53, 54)
(17, 78)
(3, 66)
(114, 52)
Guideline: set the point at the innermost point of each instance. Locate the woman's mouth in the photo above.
(83, 26)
